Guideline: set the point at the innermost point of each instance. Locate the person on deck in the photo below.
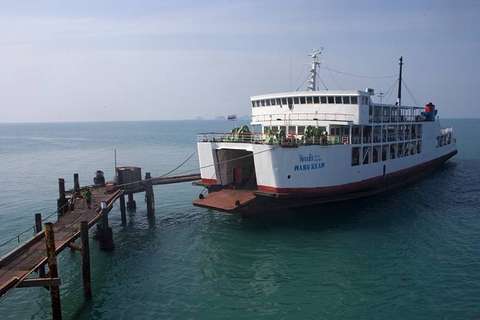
(88, 197)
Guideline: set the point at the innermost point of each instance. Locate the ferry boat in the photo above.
(317, 146)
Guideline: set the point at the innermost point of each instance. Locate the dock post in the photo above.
(38, 228)
(76, 183)
(149, 196)
(87, 284)
(106, 234)
(53, 271)
(123, 210)
(131, 204)
(62, 200)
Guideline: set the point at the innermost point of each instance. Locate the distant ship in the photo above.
(317, 146)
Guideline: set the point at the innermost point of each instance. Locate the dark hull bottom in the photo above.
(268, 201)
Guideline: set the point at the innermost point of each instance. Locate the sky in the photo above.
(161, 60)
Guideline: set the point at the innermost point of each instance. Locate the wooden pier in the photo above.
(75, 217)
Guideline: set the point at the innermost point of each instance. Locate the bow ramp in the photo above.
(227, 200)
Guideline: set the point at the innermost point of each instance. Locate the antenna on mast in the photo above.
(399, 97)
(312, 81)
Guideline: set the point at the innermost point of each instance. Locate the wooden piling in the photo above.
(76, 183)
(106, 234)
(87, 285)
(38, 228)
(53, 271)
(149, 195)
(62, 200)
(131, 204)
(123, 210)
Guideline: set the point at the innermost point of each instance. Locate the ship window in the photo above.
(284, 101)
(267, 102)
(278, 102)
(331, 99)
(400, 150)
(366, 155)
(338, 100)
(354, 100)
(393, 152)
(316, 100)
(300, 130)
(384, 152)
(302, 100)
(274, 129)
(282, 128)
(266, 129)
(263, 103)
(291, 129)
(355, 156)
(375, 154)
(296, 100)
(290, 101)
(272, 102)
(309, 100)
(346, 100)
(323, 99)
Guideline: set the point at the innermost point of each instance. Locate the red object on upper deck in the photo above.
(429, 107)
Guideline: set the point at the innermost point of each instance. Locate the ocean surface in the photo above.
(410, 254)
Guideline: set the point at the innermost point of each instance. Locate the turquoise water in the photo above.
(411, 254)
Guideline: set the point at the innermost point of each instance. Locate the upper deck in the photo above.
(328, 106)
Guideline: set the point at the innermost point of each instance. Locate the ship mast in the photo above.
(399, 97)
(312, 81)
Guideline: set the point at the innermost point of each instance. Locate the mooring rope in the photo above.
(180, 165)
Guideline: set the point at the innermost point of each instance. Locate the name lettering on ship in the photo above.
(309, 162)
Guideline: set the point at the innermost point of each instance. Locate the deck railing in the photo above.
(257, 138)
(312, 116)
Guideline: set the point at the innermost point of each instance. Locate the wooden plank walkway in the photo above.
(22, 261)
(17, 265)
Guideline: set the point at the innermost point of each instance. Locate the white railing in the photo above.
(444, 131)
(258, 138)
(312, 116)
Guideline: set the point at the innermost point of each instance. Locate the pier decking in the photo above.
(21, 262)
(75, 217)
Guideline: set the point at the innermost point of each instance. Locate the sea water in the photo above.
(410, 254)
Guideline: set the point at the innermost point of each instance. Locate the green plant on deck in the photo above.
(281, 135)
(269, 136)
(314, 135)
(240, 134)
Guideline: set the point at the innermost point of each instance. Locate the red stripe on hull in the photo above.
(208, 182)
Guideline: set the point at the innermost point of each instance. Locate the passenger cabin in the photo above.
(346, 117)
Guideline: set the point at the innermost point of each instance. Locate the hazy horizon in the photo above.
(179, 60)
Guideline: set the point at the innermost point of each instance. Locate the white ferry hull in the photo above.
(309, 174)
